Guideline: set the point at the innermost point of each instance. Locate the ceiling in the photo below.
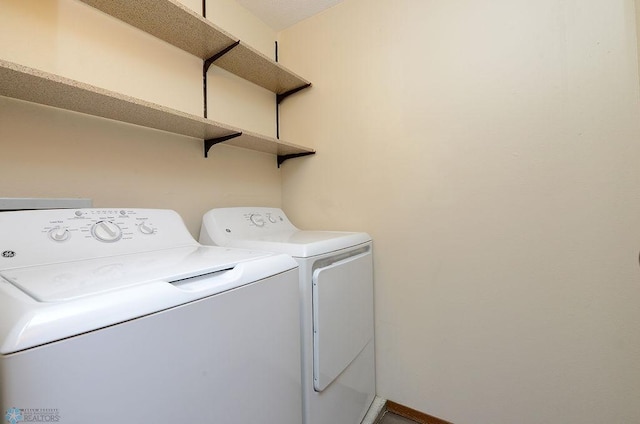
(280, 14)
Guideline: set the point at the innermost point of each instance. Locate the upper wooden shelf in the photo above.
(176, 24)
(24, 83)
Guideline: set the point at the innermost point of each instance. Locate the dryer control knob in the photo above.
(257, 220)
(106, 231)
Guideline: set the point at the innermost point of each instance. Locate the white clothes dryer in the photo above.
(336, 305)
(119, 315)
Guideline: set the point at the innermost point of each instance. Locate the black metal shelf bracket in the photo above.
(279, 99)
(209, 62)
(282, 158)
(205, 68)
(209, 143)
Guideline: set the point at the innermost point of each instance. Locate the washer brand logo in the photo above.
(8, 254)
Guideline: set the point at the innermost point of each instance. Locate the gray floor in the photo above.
(391, 418)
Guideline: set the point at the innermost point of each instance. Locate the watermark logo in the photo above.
(13, 415)
(32, 415)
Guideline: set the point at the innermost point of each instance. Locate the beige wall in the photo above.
(52, 153)
(491, 149)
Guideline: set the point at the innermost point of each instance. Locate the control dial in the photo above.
(272, 219)
(257, 220)
(146, 228)
(59, 234)
(106, 231)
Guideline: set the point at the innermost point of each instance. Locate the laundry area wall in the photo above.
(47, 152)
(490, 148)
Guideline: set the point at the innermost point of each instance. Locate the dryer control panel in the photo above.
(266, 218)
(270, 230)
(44, 236)
(240, 223)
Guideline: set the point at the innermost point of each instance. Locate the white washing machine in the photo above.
(110, 316)
(336, 295)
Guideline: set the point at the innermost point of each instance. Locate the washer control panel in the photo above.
(103, 225)
(41, 236)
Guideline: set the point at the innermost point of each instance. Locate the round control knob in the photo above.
(146, 228)
(59, 234)
(106, 231)
(257, 220)
(272, 219)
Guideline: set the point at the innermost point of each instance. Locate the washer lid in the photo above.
(301, 244)
(71, 280)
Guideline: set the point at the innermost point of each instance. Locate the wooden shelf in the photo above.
(21, 82)
(176, 24)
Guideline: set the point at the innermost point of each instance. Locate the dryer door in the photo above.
(342, 315)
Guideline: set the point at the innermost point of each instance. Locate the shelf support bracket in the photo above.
(279, 99)
(282, 158)
(209, 62)
(209, 143)
(205, 68)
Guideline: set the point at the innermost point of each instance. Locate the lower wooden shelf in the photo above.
(33, 85)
